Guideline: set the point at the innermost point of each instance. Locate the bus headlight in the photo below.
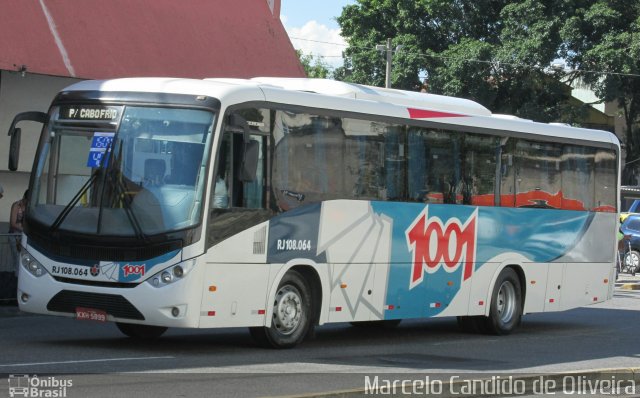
(172, 274)
(31, 264)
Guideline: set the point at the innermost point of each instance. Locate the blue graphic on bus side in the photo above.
(540, 235)
(435, 248)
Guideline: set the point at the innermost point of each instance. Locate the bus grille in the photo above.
(86, 248)
(112, 304)
(88, 252)
(119, 285)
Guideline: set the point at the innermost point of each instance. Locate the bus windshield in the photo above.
(141, 174)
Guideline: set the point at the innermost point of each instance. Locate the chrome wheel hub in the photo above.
(506, 302)
(287, 311)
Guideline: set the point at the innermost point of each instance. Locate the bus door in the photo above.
(236, 273)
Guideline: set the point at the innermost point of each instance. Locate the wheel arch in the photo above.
(310, 274)
(519, 270)
(318, 280)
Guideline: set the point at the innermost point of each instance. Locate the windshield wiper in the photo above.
(67, 209)
(137, 229)
(94, 177)
(120, 193)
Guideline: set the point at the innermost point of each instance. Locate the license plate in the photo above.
(90, 314)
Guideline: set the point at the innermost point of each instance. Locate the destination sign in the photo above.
(107, 113)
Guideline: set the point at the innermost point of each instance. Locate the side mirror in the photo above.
(15, 133)
(14, 149)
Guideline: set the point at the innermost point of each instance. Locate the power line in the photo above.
(319, 41)
(489, 62)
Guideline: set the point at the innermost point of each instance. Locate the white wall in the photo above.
(19, 94)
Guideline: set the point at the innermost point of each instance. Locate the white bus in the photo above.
(281, 204)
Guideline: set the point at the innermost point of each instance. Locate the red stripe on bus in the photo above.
(425, 114)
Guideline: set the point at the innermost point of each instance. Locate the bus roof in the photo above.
(350, 97)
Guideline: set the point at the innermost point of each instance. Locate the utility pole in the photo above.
(389, 50)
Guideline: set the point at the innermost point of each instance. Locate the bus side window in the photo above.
(477, 185)
(247, 193)
(220, 197)
(236, 204)
(578, 177)
(230, 186)
(507, 172)
(605, 181)
(434, 159)
(538, 177)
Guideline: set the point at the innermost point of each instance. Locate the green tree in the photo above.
(604, 36)
(314, 67)
(496, 52)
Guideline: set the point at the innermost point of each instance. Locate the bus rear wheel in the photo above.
(141, 332)
(291, 318)
(506, 304)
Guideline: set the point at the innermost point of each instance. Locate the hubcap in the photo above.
(506, 302)
(287, 311)
(632, 260)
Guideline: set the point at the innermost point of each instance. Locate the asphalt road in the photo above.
(98, 361)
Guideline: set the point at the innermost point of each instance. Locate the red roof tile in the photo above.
(116, 38)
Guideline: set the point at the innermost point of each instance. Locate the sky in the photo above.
(310, 22)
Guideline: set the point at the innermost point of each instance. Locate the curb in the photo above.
(588, 382)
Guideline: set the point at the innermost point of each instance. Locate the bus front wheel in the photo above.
(141, 332)
(291, 317)
(506, 303)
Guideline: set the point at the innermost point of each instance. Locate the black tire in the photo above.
(384, 324)
(141, 332)
(292, 318)
(632, 262)
(506, 304)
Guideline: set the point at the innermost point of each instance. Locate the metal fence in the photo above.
(8, 264)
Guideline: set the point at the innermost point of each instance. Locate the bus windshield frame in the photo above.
(121, 171)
